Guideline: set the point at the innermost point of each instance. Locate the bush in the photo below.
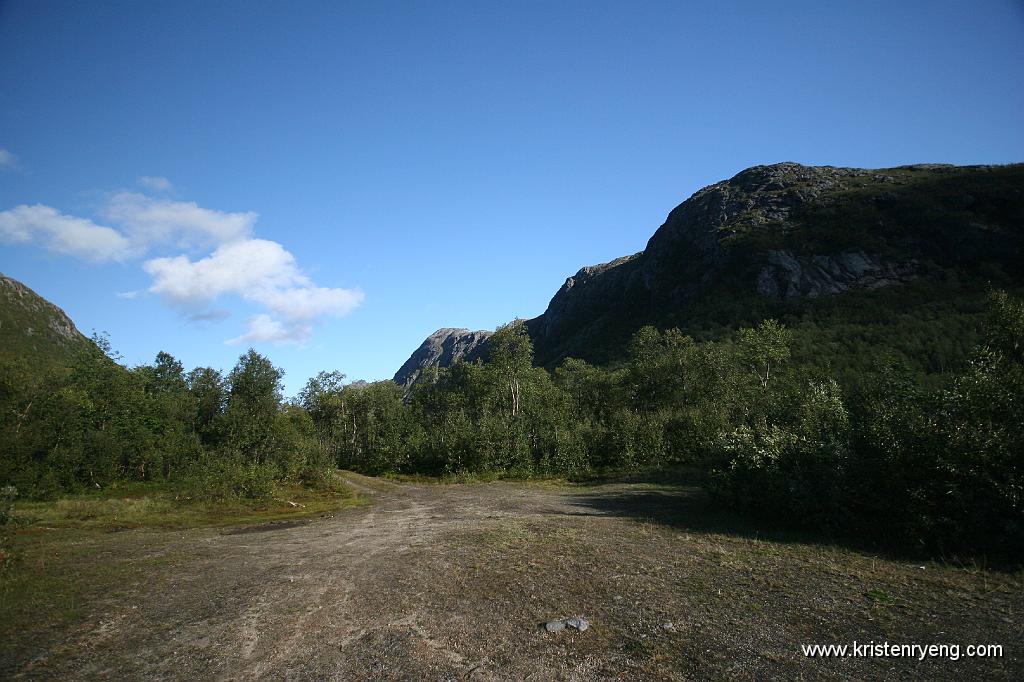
(8, 494)
(795, 470)
(228, 477)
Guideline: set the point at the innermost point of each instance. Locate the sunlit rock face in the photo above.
(441, 349)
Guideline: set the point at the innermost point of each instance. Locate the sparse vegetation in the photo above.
(149, 505)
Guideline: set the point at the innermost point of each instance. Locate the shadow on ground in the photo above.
(691, 508)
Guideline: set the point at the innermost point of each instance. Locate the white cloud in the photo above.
(263, 328)
(259, 271)
(8, 161)
(248, 268)
(149, 222)
(309, 302)
(62, 233)
(156, 183)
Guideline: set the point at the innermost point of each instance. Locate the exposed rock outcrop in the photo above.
(789, 232)
(785, 275)
(441, 349)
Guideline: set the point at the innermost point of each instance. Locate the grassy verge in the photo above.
(140, 505)
(655, 476)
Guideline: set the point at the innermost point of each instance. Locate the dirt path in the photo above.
(453, 581)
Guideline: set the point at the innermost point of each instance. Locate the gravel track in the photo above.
(453, 582)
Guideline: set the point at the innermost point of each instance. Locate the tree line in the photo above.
(939, 467)
(97, 422)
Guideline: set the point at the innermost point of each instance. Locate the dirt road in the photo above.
(453, 581)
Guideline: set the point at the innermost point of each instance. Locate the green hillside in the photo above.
(34, 331)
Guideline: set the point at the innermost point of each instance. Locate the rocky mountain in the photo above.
(777, 240)
(32, 329)
(441, 349)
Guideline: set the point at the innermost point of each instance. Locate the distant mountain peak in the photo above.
(443, 348)
(32, 328)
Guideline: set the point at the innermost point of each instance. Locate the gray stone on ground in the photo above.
(554, 625)
(580, 624)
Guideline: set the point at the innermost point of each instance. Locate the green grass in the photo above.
(141, 505)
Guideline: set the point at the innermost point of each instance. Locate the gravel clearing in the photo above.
(450, 582)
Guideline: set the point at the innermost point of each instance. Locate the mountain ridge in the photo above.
(33, 329)
(786, 234)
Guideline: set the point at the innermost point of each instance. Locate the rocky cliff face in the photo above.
(786, 275)
(441, 349)
(789, 233)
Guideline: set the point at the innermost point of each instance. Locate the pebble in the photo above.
(580, 624)
(554, 625)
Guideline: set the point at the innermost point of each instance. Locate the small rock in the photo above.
(580, 624)
(554, 625)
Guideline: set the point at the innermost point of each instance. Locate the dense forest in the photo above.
(939, 467)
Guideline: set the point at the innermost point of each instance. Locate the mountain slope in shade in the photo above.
(786, 240)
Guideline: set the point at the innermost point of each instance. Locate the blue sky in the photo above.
(331, 182)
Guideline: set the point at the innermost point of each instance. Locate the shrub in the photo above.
(795, 469)
(226, 476)
(8, 494)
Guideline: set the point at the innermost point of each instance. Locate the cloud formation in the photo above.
(63, 234)
(247, 268)
(150, 222)
(156, 183)
(8, 161)
(263, 328)
(259, 271)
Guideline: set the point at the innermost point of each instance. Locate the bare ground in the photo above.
(453, 582)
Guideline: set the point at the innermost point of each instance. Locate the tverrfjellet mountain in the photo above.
(780, 240)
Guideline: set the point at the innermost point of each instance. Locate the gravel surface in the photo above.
(446, 582)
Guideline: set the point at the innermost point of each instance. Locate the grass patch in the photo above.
(879, 597)
(650, 477)
(56, 575)
(453, 478)
(142, 505)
